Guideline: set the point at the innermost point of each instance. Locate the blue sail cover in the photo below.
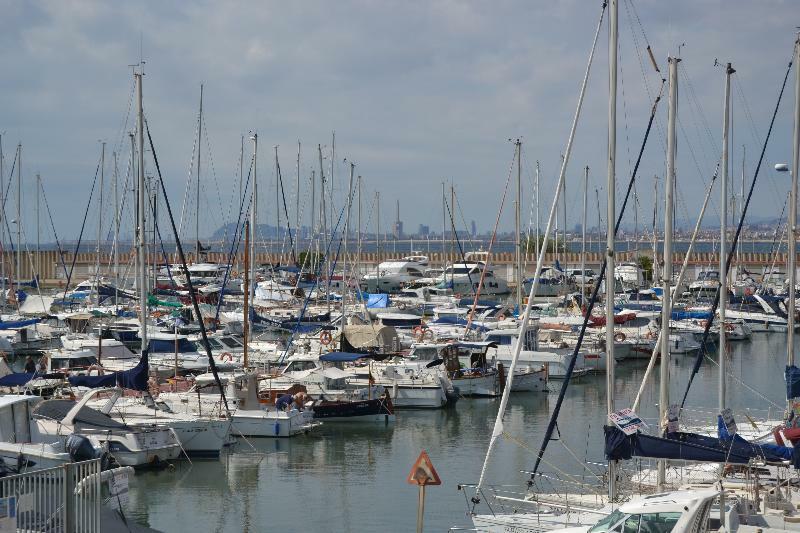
(693, 447)
(14, 324)
(17, 379)
(342, 357)
(135, 378)
(684, 315)
(792, 376)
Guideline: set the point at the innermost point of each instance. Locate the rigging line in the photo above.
(491, 245)
(210, 156)
(192, 293)
(745, 385)
(460, 211)
(565, 384)
(735, 242)
(55, 232)
(124, 128)
(460, 248)
(236, 238)
(189, 181)
(83, 226)
(286, 212)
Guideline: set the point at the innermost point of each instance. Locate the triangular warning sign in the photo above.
(423, 472)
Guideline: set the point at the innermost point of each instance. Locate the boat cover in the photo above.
(87, 417)
(342, 357)
(14, 324)
(135, 378)
(17, 379)
(693, 447)
(377, 301)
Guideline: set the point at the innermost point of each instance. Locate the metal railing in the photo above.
(47, 500)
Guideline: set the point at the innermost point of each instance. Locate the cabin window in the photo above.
(215, 344)
(230, 343)
(502, 340)
(425, 354)
(657, 522)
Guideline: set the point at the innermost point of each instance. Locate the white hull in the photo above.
(204, 437)
(529, 381)
(411, 397)
(477, 385)
(272, 423)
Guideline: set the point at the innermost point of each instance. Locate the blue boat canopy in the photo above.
(377, 301)
(18, 379)
(792, 382)
(134, 379)
(342, 357)
(14, 324)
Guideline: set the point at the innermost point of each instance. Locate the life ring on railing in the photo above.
(419, 332)
(226, 357)
(325, 338)
(401, 306)
(100, 370)
(729, 328)
(501, 317)
(427, 333)
(619, 337)
(704, 323)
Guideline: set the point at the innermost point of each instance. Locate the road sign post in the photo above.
(422, 474)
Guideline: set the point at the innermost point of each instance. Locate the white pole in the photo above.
(792, 240)
(141, 238)
(613, 36)
(520, 277)
(583, 231)
(253, 227)
(666, 280)
(723, 241)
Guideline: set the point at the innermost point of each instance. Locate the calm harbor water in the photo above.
(352, 478)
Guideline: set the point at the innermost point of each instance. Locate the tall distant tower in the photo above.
(398, 225)
(473, 229)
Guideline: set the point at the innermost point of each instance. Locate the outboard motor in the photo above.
(80, 448)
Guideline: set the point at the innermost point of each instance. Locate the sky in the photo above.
(418, 93)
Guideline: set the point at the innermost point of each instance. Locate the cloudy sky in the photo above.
(418, 93)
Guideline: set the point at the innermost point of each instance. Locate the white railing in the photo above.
(47, 500)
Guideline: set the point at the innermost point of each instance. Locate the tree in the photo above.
(646, 264)
(529, 245)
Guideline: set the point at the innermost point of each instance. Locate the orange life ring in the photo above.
(619, 337)
(100, 370)
(226, 356)
(729, 327)
(501, 317)
(325, 338)
(703, 323)
(419, 332)
(427, 333)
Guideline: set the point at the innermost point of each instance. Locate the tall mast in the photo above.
(613, 35)
(197, 199)
(358, 235)
(583, 231)
(99, 217)
(324, 218)
(378, 234)
(345, 278)
(517, 224)
(792, 234)
(333, 166)
(254, 220)
(537, 208)
(135, 181)
(246, 319)
(666, 281)
(38, 230)
(19, 217)
(241, 171)
(277, 198)
(444, 229)
(297, 206)
(723, 244)
(116, 232)
(141, 238)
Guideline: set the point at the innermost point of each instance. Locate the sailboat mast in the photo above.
(277, 199)
(723, 241)
(666, 280)
(254, 221)
(19, 217)
(297, 205)
(613, 36)
(141, 238)
(583, 232)
(2, 219)
(99, 217)
(246, 318)
(345, 277)
(537, 208)
(324, 218)
(116, 231)
(517, 224)
(792, 234)
(197, 197)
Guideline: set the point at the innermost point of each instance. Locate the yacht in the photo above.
(129, 445)
(392, 276)
(464, 278)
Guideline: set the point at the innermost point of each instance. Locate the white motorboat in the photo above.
(392, 276)
(129, 445)
(199, 436)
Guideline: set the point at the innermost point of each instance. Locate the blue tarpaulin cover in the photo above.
(18, 379)
(18, 323)
(683, 315)
(693, 447)
(377, 301)
(135, 378)
(342, 357)
(792, 382)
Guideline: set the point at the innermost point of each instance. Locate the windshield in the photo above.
(608, 522)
